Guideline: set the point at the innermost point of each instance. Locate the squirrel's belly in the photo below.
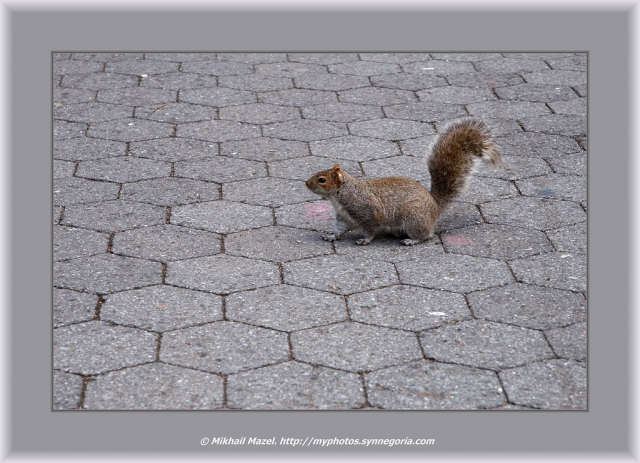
(342, 213)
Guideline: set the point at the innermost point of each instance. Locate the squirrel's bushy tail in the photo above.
(453, 156)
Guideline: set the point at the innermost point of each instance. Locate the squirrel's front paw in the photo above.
(329, 237)
(363, 241)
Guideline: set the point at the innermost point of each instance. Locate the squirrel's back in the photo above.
(453, 156)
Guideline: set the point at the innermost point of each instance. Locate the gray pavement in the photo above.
(189, 272)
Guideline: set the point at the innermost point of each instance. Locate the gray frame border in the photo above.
(34, 34)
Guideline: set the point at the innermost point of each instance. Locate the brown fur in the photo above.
(401, 206)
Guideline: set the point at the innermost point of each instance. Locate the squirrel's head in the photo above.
(326, 182)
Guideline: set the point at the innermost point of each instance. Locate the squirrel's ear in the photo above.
(337, 176)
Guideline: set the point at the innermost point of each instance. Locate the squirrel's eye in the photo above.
(322, 180)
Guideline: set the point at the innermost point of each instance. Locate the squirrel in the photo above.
(401, 206)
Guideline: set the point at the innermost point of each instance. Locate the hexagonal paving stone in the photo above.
(485, 80)
(404, 81)
(484, 344)
(304, 168)
(576, 107)
(81, 149)
(293, 385)
(141, 67)
(569, 342)
(364, 68)
(220, 169)
(305, 130)
(342, 112)
(315, 215)
(276, 244)
(390, 129)
(399, 166)
(424, 111)
(289, 69)
(96, 347)
(297, 97)
(554, 384)
(556, 124)
(222, 274)
(556, 77)
(458, 273)
(216, 96)
(407, 307)
(256, 82)
(166, 243)
(285, 308)
(439, 67)
(572, 239)
(180, 57)
(554, 269)
(570, 164)
(508, 109)
(178, 81)
(99, 81)
(63, 169)
(456, 95)
(259, 113)
(496, 241)
(222, 216)
(482, 190)
(265, 149)
(176, 113)
(123, 169)
(92, 112)
(161, 308)
(215, 68)
(528, 306)
(72, 307)
(512, 63)
(69, 243)
(570, 187)
(173, 149)
(538, 213)
(170, 191)
(137, 96)
(516, 168)
(268, 192)
(536, 93)
(130, 130)
(538, 144)
(354, 347)
(333, 82)
(73, 190)
(377, 96)
(66, 390)
(339, 274)
(72, 95)
(224, 347)
(114, 216)
(433, 386)
(155, 386)
(63, 130)
(216, 131)
(76, 67)
(458, 215)
(354, 148)
(106, 273)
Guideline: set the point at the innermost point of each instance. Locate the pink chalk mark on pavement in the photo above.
(318, 211)
(457, 240)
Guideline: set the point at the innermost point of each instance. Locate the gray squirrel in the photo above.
(401, 206)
